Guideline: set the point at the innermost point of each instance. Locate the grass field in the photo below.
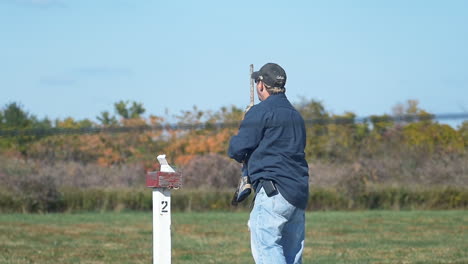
(332, 237)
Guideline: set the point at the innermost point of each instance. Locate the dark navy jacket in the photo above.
(272, 138)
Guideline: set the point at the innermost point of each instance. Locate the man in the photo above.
(271, 140)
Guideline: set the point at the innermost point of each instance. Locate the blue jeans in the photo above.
(276, 230)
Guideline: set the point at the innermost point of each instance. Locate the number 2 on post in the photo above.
(164, 208)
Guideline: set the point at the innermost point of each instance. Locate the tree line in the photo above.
(330, 137)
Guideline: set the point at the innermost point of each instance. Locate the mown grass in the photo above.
(216, 237)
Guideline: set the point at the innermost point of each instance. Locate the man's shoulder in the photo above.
(278, 104)
(259, 108)
(257, 113)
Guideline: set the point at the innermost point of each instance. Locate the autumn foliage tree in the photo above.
(104, 148)
(211, 133)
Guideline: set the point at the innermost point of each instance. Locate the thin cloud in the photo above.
(57, 81)
(75, 76)
(104, 71)
(42, 3)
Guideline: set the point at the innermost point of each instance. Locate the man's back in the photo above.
(273, 136)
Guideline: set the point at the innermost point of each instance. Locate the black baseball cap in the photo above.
(271, 74)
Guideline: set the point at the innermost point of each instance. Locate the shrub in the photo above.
(35, 192)
(74, 200)
(211, 171)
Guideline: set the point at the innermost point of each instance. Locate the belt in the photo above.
(269, 186)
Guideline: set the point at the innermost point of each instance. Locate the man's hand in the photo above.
(243, 190)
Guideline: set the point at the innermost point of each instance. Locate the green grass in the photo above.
(332, 237)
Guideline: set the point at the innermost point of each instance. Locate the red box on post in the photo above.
(159, 179)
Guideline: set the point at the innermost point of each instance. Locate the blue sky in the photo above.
(76, 58)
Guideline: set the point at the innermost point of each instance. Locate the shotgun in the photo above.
(245, 188)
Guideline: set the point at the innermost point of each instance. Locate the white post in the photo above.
(162, 219)
(161, 226)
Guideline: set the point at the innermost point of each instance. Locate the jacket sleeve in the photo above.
(249, 135)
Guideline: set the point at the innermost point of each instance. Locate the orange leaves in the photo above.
(188, 145)
(109, 156)
(183, 159)
(103, 148)
(184, 145)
